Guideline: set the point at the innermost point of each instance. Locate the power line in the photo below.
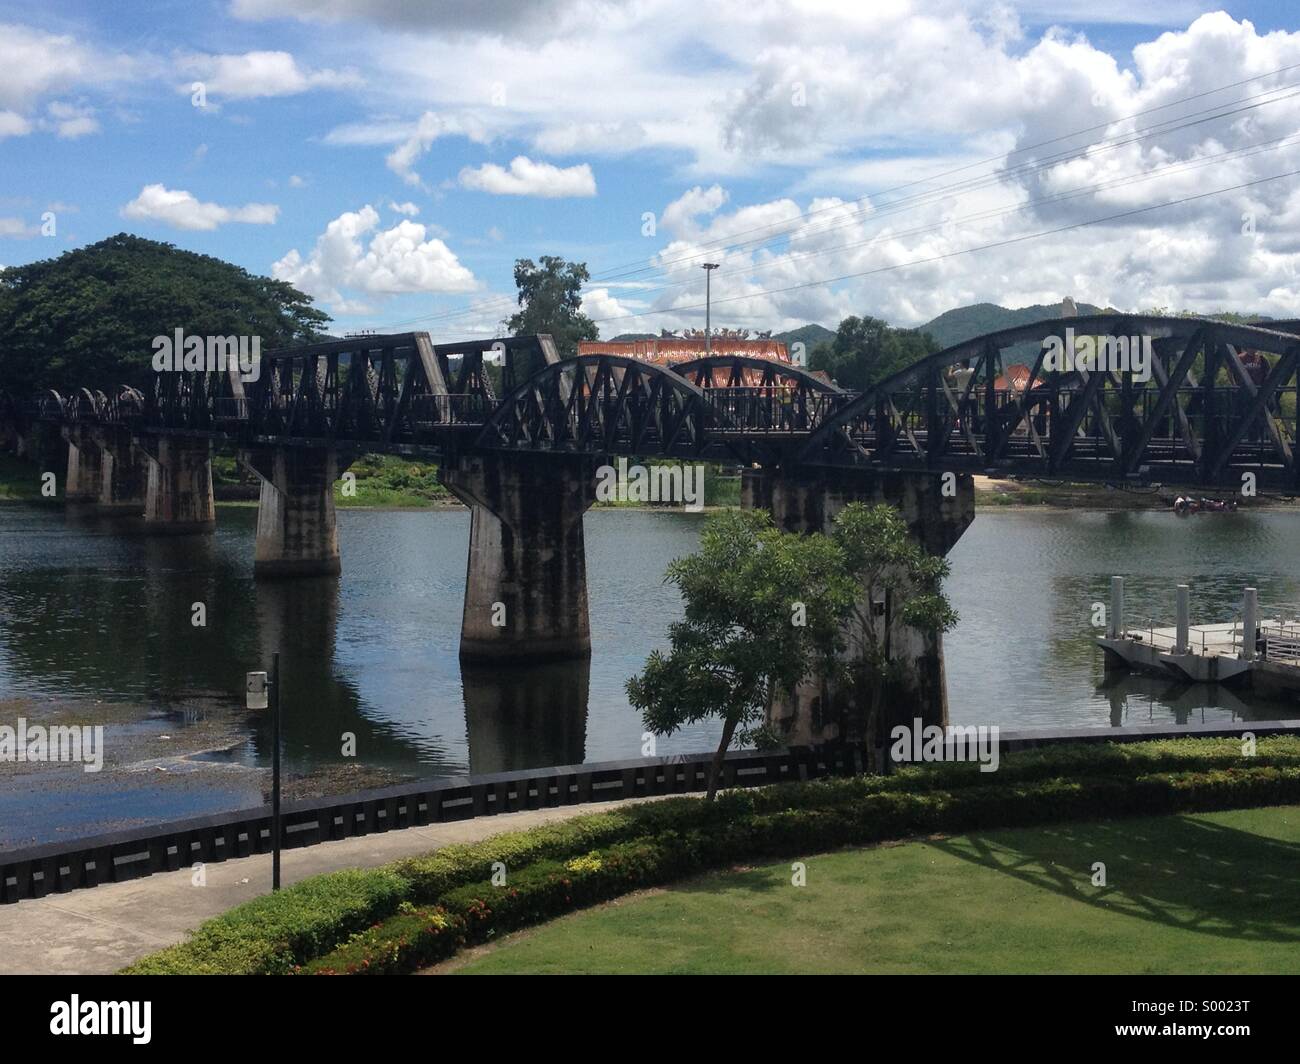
(895, 207)
(920, 199)
(998, 212)
(1119, 141)
(964, 251)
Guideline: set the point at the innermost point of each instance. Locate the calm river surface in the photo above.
(96, 625)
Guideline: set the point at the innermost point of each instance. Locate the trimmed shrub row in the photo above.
(280, 932)
(477, 912)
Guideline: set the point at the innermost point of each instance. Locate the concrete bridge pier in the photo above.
(297, 531)
(85, 466)
(124, 472)
(807, 500)
(526, 582)
(178, 485)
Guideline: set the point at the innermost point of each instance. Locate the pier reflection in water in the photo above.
(91, 614)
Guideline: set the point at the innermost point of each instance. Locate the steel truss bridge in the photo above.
(1220, 402)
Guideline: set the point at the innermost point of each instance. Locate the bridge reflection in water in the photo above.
(94, 618)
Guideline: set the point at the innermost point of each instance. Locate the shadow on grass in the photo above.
(1183, 872)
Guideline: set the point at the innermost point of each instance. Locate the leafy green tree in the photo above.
(740, 642)
(88, 317)
(889, 566)
(766, 610)
(550, 301)
(867, 350)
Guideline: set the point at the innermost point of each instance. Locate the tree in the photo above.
(762, 610)
(88, 318)
(889, 567)
(867, 350)
(550, 301)
(765, 610)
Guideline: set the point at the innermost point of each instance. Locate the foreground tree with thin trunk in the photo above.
(766, 610)
(899, 583)
(762, 610)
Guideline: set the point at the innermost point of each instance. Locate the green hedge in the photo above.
(478, 912)
(281, 932)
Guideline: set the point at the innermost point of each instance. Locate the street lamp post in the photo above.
(708, 268)
(263, 691)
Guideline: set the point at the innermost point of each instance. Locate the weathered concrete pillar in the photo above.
(178, 490)
(85, 466)
(807, 500)
(297, 532)
(526, 583)
(124, 472)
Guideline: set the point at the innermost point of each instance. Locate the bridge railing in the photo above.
(774, 408)
(229, 408)
(463, 408)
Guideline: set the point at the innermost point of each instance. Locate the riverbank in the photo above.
(20, 481)
(98, 931)
(420, 911)
(390, 482)
(993, 492)
(191, 758)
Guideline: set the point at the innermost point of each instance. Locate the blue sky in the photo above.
(394, 159)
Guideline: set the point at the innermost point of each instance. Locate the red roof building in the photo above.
(669, 349)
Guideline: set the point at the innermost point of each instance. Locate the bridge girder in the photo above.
(602, 404)
(739, 372)
(1183, 426)
(946, 413)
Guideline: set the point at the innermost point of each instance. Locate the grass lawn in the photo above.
(1205, 893)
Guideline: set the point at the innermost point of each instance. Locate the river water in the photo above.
(96, 624)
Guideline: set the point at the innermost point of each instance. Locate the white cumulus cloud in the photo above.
(257, 74)
(183, 210)
(528, 178)
(402, 259)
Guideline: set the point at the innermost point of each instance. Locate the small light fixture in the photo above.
(255, 690)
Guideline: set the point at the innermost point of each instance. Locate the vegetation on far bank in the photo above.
(418, 911)
(89, 316)
(20, 481)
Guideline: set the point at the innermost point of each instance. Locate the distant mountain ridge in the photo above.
(965, 323)
(956, 325)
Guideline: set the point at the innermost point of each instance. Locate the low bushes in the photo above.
(274, 932)
(478, 912)
(416, 911)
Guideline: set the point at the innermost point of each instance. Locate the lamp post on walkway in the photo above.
(257, 688)
(708, 268)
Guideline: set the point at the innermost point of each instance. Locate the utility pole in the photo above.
(708, 268)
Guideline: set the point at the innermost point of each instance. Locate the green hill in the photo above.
(963, 323)
(809, 335)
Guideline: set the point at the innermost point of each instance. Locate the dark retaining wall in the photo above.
(62, 866)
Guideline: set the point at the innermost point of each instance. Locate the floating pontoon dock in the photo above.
(1263, 654)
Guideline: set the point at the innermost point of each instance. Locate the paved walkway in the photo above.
(99, 930)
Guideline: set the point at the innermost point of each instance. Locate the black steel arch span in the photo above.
(1220, 403)
(615, 404)
(602, 404)
(772, 373)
